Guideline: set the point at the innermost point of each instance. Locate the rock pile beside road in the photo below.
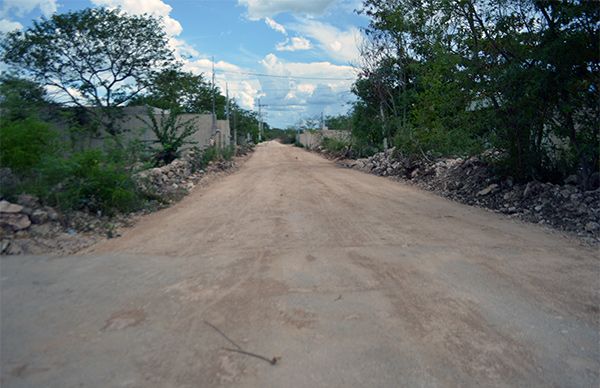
(28, 227)
(472, 181)
(25, 222)
(176, 179)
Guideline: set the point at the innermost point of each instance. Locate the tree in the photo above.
(245, 122)
(185, 91)
(98, 57)
(521, 76)
(309, 123)
(340, 122)
(20, 98)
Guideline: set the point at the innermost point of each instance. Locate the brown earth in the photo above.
(352, 279)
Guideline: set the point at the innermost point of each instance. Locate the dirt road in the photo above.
(353, 280)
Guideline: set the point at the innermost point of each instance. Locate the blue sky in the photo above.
(305, 48)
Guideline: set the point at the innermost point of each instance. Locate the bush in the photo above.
(228, 152)
(25, 143)
(209, 154)
(335, 146)
(436, 142)
(90, 181)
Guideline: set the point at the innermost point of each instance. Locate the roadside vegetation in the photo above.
(98, 61)
(456, 78)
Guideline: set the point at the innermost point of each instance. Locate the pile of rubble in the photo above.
(472, 181)
(244, 149)
(28, 227)
(173, 181)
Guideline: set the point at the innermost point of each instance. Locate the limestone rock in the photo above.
(592, 226)
(491, 188)
(7, 207)
(14, 221)
(39, 216)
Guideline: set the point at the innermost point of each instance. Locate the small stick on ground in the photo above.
(223, 334)
(239, 349)
(271, 361)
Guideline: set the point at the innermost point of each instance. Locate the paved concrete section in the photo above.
(353, 280)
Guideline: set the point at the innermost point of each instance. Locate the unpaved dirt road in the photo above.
(353, 280)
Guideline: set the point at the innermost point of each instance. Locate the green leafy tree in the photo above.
(96, 57)
(517, 75)
(340, 122)
(245, 122)
(184, 91)
(20, 98)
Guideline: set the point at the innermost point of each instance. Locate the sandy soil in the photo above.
(352, 279)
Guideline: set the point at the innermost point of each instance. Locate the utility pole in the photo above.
(322, 122)
(227, 108)
(259, 122)
(234, 127)
(214, 115)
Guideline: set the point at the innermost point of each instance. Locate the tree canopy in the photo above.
(182, 91)
(451, 77)
(95, 57)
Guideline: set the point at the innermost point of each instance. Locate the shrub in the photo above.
(90, 181)
(25, 143)
(436, 142)
(209, 154)
(335, 146)
(171, 134)
(228, 152)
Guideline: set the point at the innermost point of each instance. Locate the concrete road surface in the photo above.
(353, 280)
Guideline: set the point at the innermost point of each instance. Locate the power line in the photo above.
(288, 76)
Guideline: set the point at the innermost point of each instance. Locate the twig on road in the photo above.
(271, 361)
(239, 349)
(224, 335)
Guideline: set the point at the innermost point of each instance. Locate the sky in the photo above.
(297, 56)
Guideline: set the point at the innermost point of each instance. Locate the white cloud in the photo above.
(23, 7)
(275, 26)
(342, 73)
(243, 88)
(339, 44)
(258, 9)
(153, 7)
(7, 25)
(294, 44)
(311, 88)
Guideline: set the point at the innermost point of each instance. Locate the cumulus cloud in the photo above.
(153, 7)
(258, 9)
(294, 44)
(341, 45)
(275, 26)
(7, 25)
(23, 7)
(304, 89)
(242, 88)
(339, 73)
